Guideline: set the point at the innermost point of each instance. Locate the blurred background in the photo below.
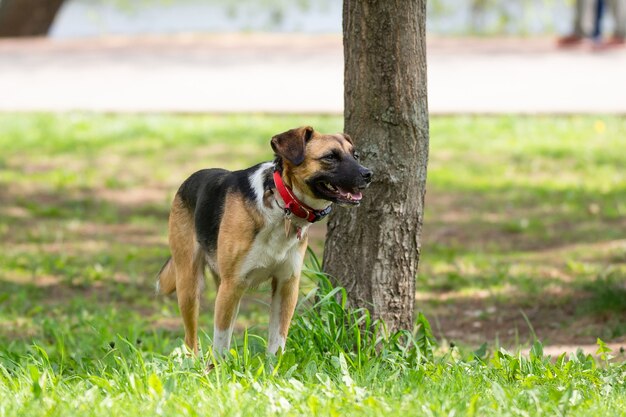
(485, 56)
(106, 106)
(79, 18)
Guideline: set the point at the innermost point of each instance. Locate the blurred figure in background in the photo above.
(596, 8)
(618, 8)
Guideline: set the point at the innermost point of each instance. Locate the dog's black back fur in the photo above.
(204, 193)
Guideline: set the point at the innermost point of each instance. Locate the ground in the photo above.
(296, 73)
(523, 234)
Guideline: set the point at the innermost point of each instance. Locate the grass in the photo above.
(523, 239)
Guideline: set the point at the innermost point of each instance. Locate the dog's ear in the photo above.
(291, 144)
(348, 138)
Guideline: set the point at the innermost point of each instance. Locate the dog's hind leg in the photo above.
(188, 264)
(189, 281)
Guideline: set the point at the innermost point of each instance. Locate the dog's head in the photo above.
(323, 167)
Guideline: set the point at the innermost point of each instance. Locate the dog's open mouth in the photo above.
(338, 194)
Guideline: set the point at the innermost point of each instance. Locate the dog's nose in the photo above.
(367, 175)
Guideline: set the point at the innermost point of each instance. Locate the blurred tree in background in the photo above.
(20, 18)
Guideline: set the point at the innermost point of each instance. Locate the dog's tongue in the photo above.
(350, 195)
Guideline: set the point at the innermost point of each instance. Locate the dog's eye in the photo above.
(331, 157)
(356, 155)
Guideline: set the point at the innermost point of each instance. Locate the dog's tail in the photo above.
(166, 278)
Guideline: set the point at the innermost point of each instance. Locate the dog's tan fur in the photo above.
(235, 237)
(188, 270)
(289, 294)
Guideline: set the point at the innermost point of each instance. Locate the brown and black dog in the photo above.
(251, 225)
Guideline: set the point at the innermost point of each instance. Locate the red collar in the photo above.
(295, 206)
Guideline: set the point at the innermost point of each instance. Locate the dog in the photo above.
(251, 225)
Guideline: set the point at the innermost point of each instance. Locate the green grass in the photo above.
(523, 237)
(332, 367)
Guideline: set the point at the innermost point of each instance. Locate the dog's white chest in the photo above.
(273, 255)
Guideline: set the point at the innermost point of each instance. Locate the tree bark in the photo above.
(20, 18)
(373, 251)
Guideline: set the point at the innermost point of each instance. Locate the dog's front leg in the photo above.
(226, 309)
(284, 299)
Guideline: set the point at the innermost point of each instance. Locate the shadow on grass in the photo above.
(86, 205)
(585, 312)
(491, 256)
(523, 218)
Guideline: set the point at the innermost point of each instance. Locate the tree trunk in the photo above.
(373, 251)
(27, 17)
